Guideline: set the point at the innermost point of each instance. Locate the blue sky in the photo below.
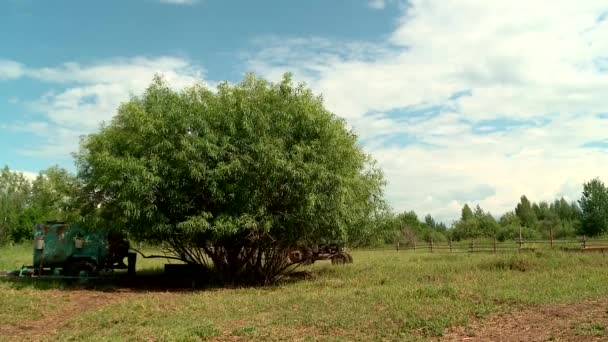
(215, 36)
(458, 101)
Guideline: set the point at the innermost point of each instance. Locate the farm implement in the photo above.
(68, 251)
(309, 254)
(64, 251)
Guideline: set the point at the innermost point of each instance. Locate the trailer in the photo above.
(68, 251)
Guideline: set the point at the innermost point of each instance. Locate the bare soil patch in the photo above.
(586, 321)
(77, 302)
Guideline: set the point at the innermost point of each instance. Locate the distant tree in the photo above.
(488, 225)
(14, 200)
(430, 221)
(478, 213)
(541, 210)
(441, 227)
(54, 195)
(474, 224)
(468, 229)
(566, 211)
(525, 213)
(594, 207)
(410, 228)
(509, 218)
(466, 213)
(433, 224)
(536, 210)
(512, 231)
(380, 228)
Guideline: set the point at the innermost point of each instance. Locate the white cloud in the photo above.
(541, 64)
(91, 94)
(377, 4)
(29, 175)
(382, 4)
(10, 69)
(520, 60)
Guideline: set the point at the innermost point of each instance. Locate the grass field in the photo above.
(385, 295)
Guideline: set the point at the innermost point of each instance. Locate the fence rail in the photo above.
(484, 246)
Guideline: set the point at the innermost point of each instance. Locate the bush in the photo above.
(434, 236)
(511, 232)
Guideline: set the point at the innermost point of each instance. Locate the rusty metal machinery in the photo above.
(69, 251)
(309, 254)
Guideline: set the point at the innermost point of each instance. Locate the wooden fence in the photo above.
(494, 246)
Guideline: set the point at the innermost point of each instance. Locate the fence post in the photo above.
(520, 242)
(414, 245)
(584, 242)
(450, 242)
(472, 246)
(494, 244)
(397, 246)
(431, 245)
(551, 238)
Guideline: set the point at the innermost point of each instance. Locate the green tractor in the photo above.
(69, 251)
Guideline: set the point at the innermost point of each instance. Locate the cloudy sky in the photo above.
(460, 101)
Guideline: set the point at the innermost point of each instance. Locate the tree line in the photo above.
(54, 195)
(558, 219)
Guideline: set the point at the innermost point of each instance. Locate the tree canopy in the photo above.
(51, 196)
(594, 206)
(223, 173)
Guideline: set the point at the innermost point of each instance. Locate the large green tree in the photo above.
(237, 175)
(594, 207)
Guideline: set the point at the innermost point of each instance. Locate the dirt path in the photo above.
(77, 302)
(587, 321)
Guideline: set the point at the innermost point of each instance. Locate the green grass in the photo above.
(384, 295)
(590, 329)
(17, 304)
(26, 299)
(13, 257)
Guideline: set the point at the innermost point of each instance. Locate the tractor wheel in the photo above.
(301, 255)
(295, 256)
(80, 268)
(350, 258)
(339, 259)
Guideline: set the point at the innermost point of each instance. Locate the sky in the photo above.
(459, 101)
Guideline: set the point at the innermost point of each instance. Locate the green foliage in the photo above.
(467, 213)
(251, 166)
(14, 198)
(52, 196)
(525, 213)
(477, 224)
(512, 231)
(542, 220)
(408, 229)
(594, 207)
(55, 195)
(431, 223)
